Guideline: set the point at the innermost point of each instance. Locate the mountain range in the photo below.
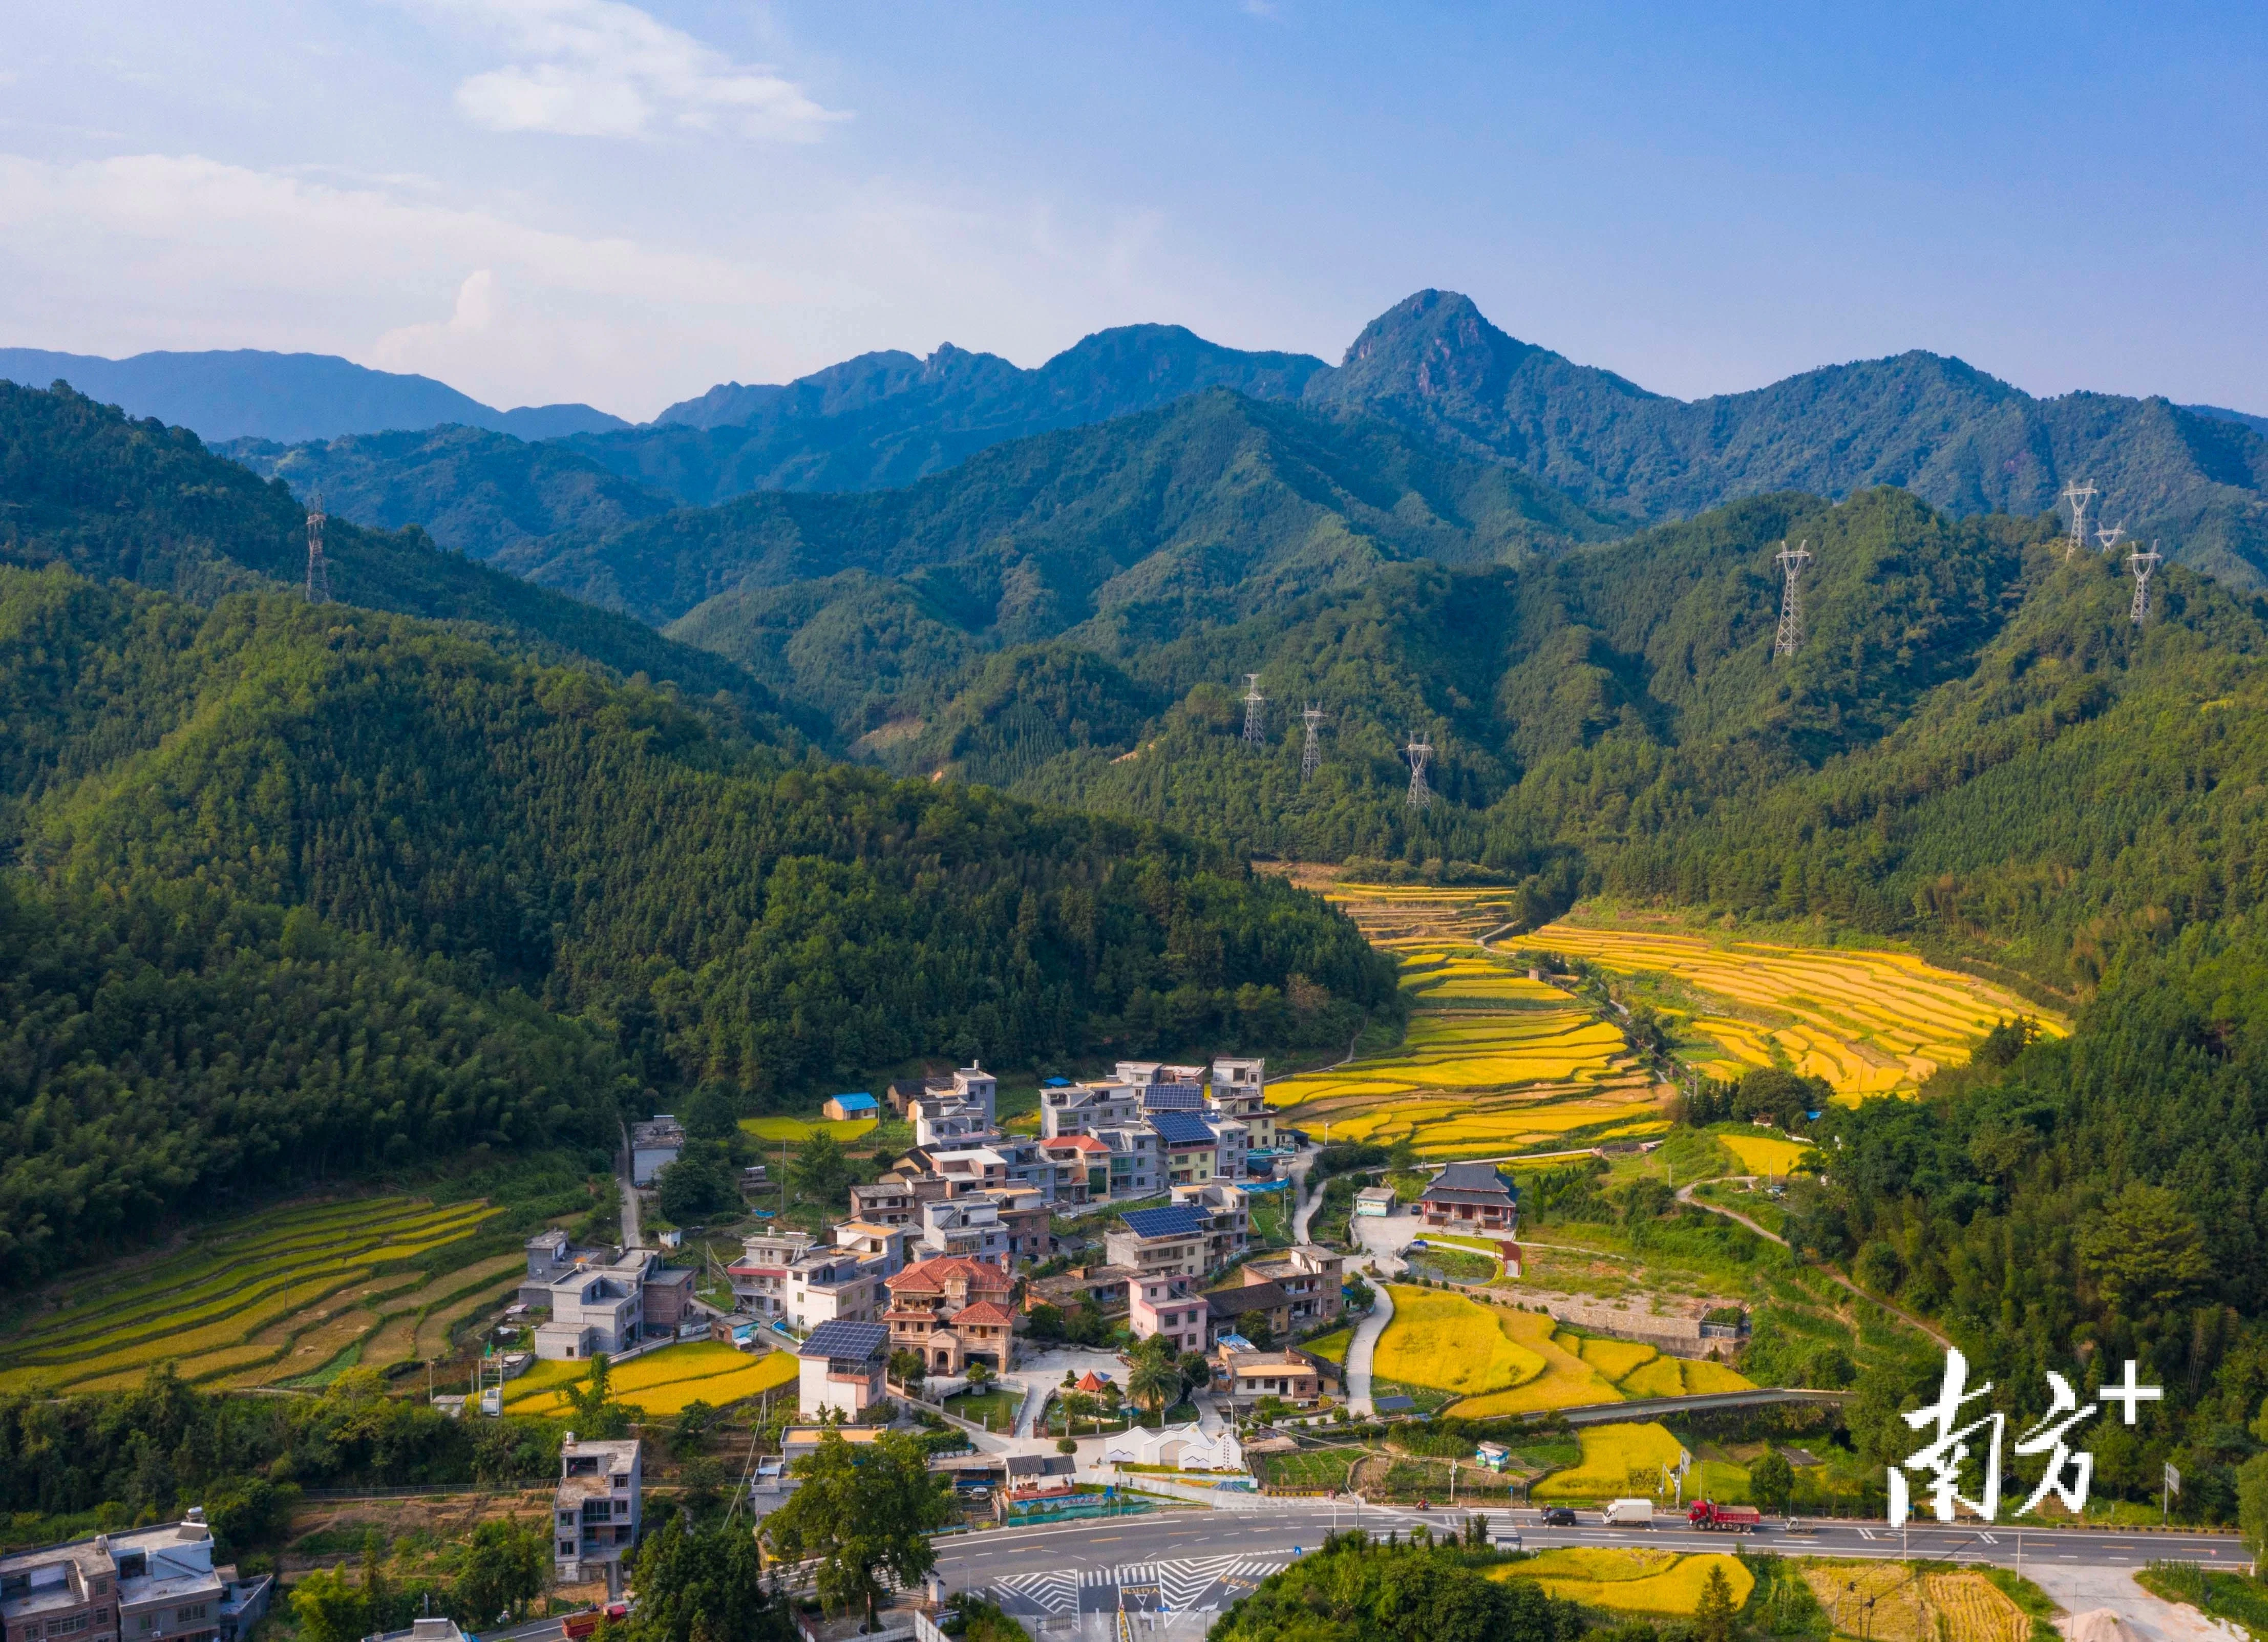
(248, 392)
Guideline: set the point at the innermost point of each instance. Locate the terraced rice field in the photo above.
(1887, 1602)
(1610, 1454)
(1869, 1023)
(1764, 1154)
(1501, 1361)
(792, 1129)
(256, 1300)
(1631, 1581)
(1494, 1061)
(662, 1382)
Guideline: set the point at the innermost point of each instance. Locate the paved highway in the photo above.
(1185, 1559)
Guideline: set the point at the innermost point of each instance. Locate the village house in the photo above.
(840, 1366)
(1159, 1242)
(888, 1201)
(1227, 1214)
(1251, 1375)
(843, 1108)
(759, 1276)
(157, 1582)
(833, 1286)
(1102, 1287)
(654, 1145)
(1167, 1303)
(1240, 1092)
(1082, 1168)
(1472, 1197)
(1236, 1307)
(597, 1509)
(611, 1306)
(953, 1311)
(1311, 1279)
(1192, 1150)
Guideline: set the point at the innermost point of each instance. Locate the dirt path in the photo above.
(1685, 1195)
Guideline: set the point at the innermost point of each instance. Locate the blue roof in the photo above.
(1175, 1222)
(1055, 1083)
(858, 1097)
(1182, 1129)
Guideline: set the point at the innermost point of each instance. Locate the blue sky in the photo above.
(540, 200)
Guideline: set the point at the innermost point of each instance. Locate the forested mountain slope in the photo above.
(542, 890)
(83, 486)
(471, 490)
(1959, 438)
(887, 419)
(1134, 531)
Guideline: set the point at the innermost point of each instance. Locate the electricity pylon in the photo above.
(1311, 756)
(2142, 564)
(1256, 713)
(318, 574)
(1417, 752)
(1791, 561)
(2109, 540)
(2079, 496)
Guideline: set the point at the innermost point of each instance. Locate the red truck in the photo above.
(576, 1627)
(1706, 1513)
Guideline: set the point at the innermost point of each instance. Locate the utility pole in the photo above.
(2079, 496)
(1255, 712)
(2142, 564)
(318, 574)
(1791, 561)
(1417, 752)
(1311, 756)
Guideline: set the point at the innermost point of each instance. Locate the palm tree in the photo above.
(1153, 1382)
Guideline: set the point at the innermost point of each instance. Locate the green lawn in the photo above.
(994, 1410)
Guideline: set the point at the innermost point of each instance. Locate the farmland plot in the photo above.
(1869, 1022)
(1631, 1581)
(242, 1300)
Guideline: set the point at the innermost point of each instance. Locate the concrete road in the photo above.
(1184, 1559)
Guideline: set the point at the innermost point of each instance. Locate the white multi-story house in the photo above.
(759, 1276)
(968, 1226)
(1087, 1109)
(1240, 1092)
(608, 1307)
(597, 1507)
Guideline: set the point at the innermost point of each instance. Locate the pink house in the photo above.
(1168, 1305)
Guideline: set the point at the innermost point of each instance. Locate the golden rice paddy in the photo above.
(665, 1382)
(256, 1300)
(1617, 1461)
(1631, 1581)
(1447, 1342)
(792, 1129)
(1764, 1154)
(1889, 1602)
(1494, 1060)
(1869, 1022)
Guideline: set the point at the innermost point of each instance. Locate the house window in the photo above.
(189, 1616)
(149, 1623)
(566, 1547)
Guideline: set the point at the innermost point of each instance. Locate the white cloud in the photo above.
(602, 68)
(185, 251)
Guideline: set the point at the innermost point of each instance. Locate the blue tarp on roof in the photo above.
(1181, 1129)
(1175, 1222)
(1055, 1083)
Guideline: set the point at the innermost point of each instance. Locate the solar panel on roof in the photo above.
(1175, 1222)
(852, 1340)
(1181, 1129)
(1173, 1097)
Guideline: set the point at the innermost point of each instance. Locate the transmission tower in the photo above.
(2079, 496)
(1311, 756)
(1417, 752)
(2109, 539)
(1255, 712)
(319, 575)
(2142, 564)
(1791, 561)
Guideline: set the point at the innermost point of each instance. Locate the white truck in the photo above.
(1629, 1513)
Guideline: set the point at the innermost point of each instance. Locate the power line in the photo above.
(319, 575)
(1791, 561)
(2142, 564)
(1255, 712)
(2079, 496)
(1417, 752)
(1311, 756)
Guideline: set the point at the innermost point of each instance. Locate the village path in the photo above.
(633, 1237)
(1383, 1238)
(1685, 1195)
